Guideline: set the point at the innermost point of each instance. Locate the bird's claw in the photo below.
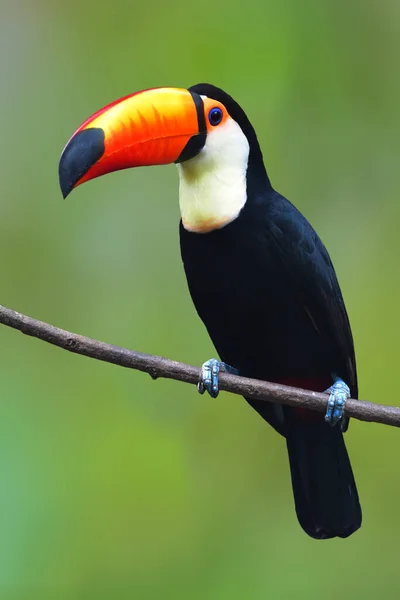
(339, 392)
(210, 371)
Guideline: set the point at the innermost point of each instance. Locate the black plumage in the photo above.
(274, 310)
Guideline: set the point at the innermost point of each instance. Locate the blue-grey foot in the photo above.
(210, 371)
(339, 392)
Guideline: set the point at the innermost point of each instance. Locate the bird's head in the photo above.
(201, 129)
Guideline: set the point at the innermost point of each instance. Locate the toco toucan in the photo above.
(260, 277)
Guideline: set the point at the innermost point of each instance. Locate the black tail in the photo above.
(324, 489)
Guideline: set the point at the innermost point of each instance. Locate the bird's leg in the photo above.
(209, 376)
(339, 392)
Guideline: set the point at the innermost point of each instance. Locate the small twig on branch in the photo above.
(157, 366)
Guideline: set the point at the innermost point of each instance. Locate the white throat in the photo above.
(212, 185)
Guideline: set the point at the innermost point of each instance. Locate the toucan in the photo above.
(259, 276)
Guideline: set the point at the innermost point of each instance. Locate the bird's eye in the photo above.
(215, 116)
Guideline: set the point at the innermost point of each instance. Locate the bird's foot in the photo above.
(339, 392)
(209, 376)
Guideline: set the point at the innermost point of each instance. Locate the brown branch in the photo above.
(157, 366)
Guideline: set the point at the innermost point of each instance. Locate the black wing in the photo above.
(306, 261)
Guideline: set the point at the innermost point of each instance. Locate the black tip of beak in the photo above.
(81, 153)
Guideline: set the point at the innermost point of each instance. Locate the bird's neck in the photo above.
(211, 198)
(215, 185)
(212, 186)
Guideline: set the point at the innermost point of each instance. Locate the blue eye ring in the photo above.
(215, 116)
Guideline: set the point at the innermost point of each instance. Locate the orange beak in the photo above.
(153, 127)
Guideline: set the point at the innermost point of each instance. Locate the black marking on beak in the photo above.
(196, 142)
(81, 153)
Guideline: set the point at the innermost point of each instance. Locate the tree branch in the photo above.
(157, 366)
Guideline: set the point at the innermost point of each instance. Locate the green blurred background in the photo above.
(116, 486)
